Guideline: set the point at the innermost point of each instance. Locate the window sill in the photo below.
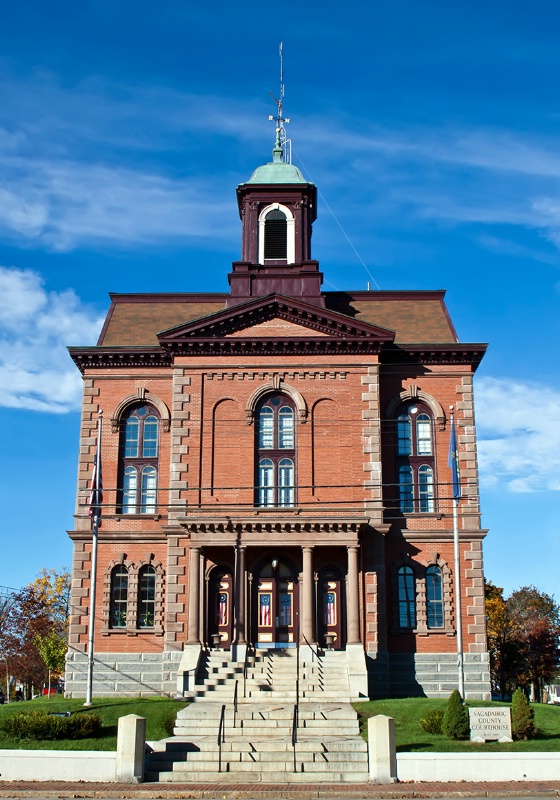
(130, 631)
(119, 517)
(422, 514)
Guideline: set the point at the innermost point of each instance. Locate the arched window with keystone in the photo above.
(275, 451)
(139, 460)
(414, 458)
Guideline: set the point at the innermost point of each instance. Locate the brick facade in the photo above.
(345, 365)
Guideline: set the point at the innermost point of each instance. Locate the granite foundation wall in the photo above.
(427, 675)
(125, 674)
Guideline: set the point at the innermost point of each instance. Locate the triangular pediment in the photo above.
(274, 325)
(275, 317)
(277, 326)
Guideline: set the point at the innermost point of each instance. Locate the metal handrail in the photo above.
(295, 725)
(235, 703)
(308, 643)
(221, 736)
(245, 668)
(297, 673)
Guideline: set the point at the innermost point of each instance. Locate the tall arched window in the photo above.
(415, 459)
(407, 597)
(119, 597)
(434, 597)
(146, 597)
(139, 448)
(276, 236)
(275, 451)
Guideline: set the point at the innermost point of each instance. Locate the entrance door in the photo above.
(220, 609)
(275, 607)
(330, 609)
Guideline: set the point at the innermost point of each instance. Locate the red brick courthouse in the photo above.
(275, 469)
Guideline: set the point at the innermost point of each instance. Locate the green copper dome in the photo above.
(277, 171)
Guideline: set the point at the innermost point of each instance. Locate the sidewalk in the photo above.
(273, 791)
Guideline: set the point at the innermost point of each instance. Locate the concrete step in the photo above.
(306, 744)
(264, 729)
(326, 776)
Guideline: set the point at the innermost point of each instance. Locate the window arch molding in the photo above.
(107, 627)
(140, 396)
(400, 568)
(134, 588)
(420, 571)
(291, 231)
(134, 569)
(276, 386)
(413, 394)
(448, 626)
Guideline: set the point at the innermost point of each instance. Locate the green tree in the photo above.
(522, 716)
(455, 723)
(52, 648)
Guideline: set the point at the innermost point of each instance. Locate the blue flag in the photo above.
(96, 494)
(453, 462)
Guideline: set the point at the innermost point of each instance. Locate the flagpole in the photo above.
(93, 575)
(456, 491)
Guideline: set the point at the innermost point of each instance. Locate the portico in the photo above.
(263, 586)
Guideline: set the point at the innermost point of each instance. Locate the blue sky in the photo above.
(431, 129)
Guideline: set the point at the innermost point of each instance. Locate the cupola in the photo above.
(277, 207)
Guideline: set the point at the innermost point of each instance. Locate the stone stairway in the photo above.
(258, 736)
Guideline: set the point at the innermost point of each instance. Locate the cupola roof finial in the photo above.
(282, 150)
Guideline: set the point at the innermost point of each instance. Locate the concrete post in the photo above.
(131, 748)
(382, 754)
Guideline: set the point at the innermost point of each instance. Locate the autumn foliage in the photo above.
(523, 639)
(33, 627)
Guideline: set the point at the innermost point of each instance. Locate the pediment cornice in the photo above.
(335, 333)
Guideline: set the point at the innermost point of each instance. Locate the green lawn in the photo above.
(160, 715)
(410, 737)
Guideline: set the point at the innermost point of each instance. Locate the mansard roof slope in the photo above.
(134, 320)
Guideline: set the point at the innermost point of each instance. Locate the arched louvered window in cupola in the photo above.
(276, 236)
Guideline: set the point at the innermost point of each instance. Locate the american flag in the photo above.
(329, 608)
(96, 494)
(222, 608)
(265, 610)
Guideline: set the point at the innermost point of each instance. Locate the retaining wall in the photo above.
(58, 765)
(478, 767)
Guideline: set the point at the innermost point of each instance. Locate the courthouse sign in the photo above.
(490, 724)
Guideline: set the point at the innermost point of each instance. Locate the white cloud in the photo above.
(96, 165)
(518, 435)
(36, 372)
(64, 205)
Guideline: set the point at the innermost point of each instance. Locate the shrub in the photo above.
(41, 725)
(433, 720)
(522, 716)
(455, 722)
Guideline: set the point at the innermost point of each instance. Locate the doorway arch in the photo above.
(220, 607)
